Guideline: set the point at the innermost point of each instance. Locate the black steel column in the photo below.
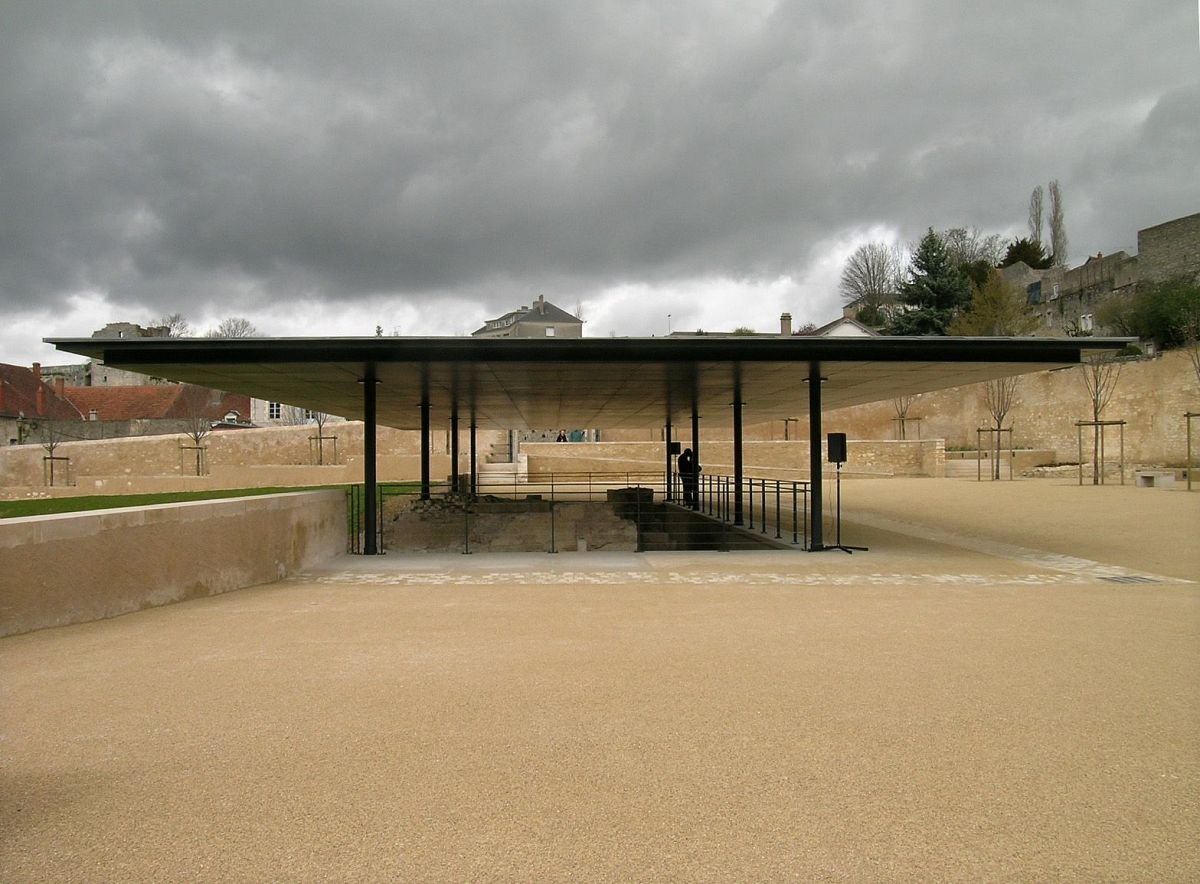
(668, 445)
(425, 449)
(454, 447)
(474, 472)
(737, 448)
(814, 455)
(696, 456)
(370, 516)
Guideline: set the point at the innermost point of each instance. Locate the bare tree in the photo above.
(870, 279)
(1058, 232)
(1100, 376)
(901, 405)
(176, 325)
(319, 418)
(999, 396)
(51, 439)
(196, 427)
(1035, 214)
(234, 327)
(196, 404)
(969, 245)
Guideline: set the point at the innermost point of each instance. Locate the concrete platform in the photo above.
(1004, 687)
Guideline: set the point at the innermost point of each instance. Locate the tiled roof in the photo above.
(155, 402)
(20, 396)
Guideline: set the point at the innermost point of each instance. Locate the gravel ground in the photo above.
(1007, 686)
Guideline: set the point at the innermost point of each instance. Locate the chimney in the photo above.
(785, 325)
(60, 387)
(37, 370)
(40, 402)
(541, 305)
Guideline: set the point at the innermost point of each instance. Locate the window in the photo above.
(550, 332)
(274, 411)
(1086, 323)
(309, 414)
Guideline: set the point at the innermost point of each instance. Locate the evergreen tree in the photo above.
(1028, 250)
(934, 293)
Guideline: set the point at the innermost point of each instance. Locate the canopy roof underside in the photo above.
(521, 383)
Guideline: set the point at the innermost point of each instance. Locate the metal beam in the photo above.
(696, 455)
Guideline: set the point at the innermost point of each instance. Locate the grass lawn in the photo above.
(45, 506)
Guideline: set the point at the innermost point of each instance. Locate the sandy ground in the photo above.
(983, 695)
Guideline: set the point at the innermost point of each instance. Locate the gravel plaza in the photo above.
(1004, 687)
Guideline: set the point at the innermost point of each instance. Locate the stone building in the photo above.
(1068, 300)
(542, 320)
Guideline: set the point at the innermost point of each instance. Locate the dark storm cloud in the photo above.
(166, 152)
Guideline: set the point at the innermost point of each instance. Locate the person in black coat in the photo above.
(688, 468)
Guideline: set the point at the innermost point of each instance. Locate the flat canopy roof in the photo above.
(534, 383)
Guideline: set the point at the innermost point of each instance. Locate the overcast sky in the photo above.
(323, 168)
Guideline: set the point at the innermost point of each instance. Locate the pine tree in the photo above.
(934, 293)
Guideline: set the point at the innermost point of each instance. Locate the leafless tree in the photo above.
(176, 325)
(901, 405)
(999, 396)
(196, 428)
(871, 280)
(234, 327)
(51, 439)
(1100, 376)
(1058, 231)
(319, 418)
(1035, 214)
(967, 245)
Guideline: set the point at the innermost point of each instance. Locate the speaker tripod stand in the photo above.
(849, 550)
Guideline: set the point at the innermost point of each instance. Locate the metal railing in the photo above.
(769, 505)
(780, 505)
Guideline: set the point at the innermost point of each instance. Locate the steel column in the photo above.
(454, 448)
(370, 516)
(696, 455)
(814, 455)
(425, 449)
(668, 446)
(474, 461)
(737, 448)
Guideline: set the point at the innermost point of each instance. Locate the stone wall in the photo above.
(762, 459)
(235, 458)
(512, 528)
(78, 567)
(1152, 396)
(1170, 249)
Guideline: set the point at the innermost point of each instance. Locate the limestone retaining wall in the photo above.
(236, 459)
(77, 567)
(772, 460)
(1151, 396)
(592, 526)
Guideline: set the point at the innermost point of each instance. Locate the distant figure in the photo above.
(688, 468)
(562, 436)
